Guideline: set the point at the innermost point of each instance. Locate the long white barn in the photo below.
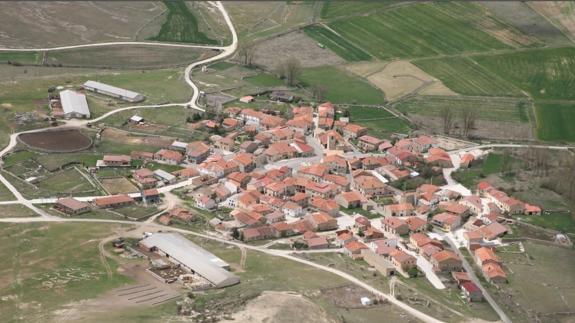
(113, 91)
(74, 104)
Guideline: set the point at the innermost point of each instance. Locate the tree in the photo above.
(236, 233)
(318, 91)
(447, 118)
(468, 117)
(413, 272)
(246, 54)
(289, 70)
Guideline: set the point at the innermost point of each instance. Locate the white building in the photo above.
(113, 91)
(74, 104)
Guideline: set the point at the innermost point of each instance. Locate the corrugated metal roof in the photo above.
(193, 256)
(112, 89)
(74, 102)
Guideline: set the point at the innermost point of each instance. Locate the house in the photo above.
(369, 186)
(245, 161)
(205, 202)
(353, 249)
(416, 224)
(282, 229)
(383, 248)
(113, 201)
(181, 214)
(197, 152)
(170, 157)
(230, 124)
(249, 146)
(258, 233)
(418, 240)
(353, 131)
(460, 277)
(485, 255)
(292, 209)
(466, 160)
(319, 242)
(322, 221)
(473, 203)
(471, 291)
(71, 206)
(142, 155)
(494, 273)
(372, 233)
(458, 209)
(186, 173)
(403, 261)
(532, 209)
(446, 221)
(400, 210)
(362, 223)
(493, 231)
(446, 260)
(351, 199)
(151, 195)
(439, 157)
(323, 190)
(164, 176)
(113, 91)
(395, 226)
(116, 161)
(178, 146)
(344, 236)
(327, 206)
(369, 143)
(381, 264)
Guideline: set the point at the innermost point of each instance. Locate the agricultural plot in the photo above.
(495, 109)
(555, 121)
(417, 30)
(521, 16)
(338, 45)
(118, 185)
(63, 141)
(136, 212)
(127, 57)
(340, 86)
(338, 9)
(545, 73)
(20, 57)
(59, 257)
(464, 76)
(558, 12)
(181, 25)
(380, 122)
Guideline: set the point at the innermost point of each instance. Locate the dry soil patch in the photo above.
(561, 13)
(68, 140)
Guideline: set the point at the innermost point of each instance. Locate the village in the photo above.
(318, 182)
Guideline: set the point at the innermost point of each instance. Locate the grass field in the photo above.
(118, 185)
(464, 76)
(555, 121)
(55, 264)
(417, 30)
(544, 73)
(563, 222)
(5, 194)
(496, 109)
(127, 57)
(340, 86)
(136, 211)
(264, 80)
(181, 26)
(338, 9)
(339, 45)
(20, 57)
(540, 283)
(16, 211)
(380, 122)
(494, 163)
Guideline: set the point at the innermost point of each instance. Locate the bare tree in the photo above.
(447, 118)
(246, 54)
(468, 117)
(290, 70)
(318, 91)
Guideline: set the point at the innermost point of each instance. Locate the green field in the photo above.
(5, 194)
(51, 265)
(466, 77)
(340, 86)
(337, 9)
(563, 222)
(15, 211)
(555, 121)
(418, 30)
(20, 57)
(380, 122)
(495, 109)
(340, 46)
(264, 80)
(181, 26)
(544, 73)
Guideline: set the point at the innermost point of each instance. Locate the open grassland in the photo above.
(340, 86)
(50, 24)
(339, 45)
(20, 57)
(260, 19)
(466, 77)
(181, 25)
(496, 109)
(338, 9)
(5, 194)
(15, 211)
(545, 73)
(418, 30)
(126, 57)
(380, 122)
(541, 283)
(55, 264)
(555, 121)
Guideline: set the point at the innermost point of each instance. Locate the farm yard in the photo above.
(63, 141)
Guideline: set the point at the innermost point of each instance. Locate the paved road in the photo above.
(474, 278)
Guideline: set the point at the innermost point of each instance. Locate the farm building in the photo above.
(74, 104)
(191, 257)
(113, 91)
(70, 205)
